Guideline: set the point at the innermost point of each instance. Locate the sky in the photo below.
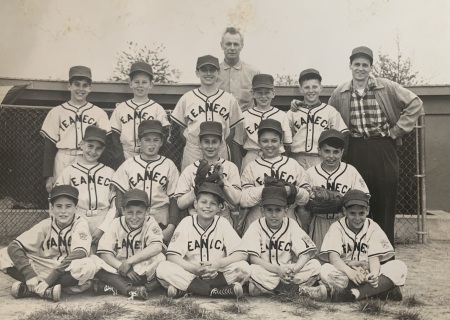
(43, 39)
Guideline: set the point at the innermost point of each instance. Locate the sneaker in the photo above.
(394, 294)
(53, 293)
(342, 295)
(99, 287)
(230, 291)
(138, 293)
(175, 293)
(254, 290)
(20, 290)
(318, 293)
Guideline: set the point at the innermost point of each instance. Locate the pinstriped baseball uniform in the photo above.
(96, 197)
(279, 247)
(194, 108)
(158, 178)
(126, 118)
(65, 126)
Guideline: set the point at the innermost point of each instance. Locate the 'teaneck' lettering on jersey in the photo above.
(54, 242)
(149, 176)
(311, 119)
(141, 115)
(279, 245)
(130, 244)
(355, 247)
(98, 180)
(215, 108)
(206, 244)
(283, 175)
(72, 120)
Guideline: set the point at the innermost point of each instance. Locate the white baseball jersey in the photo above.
(123, 242)
(191, 242)
(247, 135)
(370, 241)
(307, 125)
(344, 178)
(158, 178)
(65, 124)
(194, 107)
(186, 181)
(280, 247)
(47, 244)
(127, 116)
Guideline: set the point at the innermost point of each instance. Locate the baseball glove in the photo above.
(202, 172)
(274, 182)
(216, 176)
(323, 201)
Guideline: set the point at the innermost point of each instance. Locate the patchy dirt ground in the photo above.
(428, 278)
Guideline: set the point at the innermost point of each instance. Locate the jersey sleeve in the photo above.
(251, 194)
(107, 243)
(236, 116)
(178, 112)
(153, 232)
(50, 127)
(230, 238)
(303, 179)
(239, 134)
(379, 245)
(111, 214)
(173, 176)
(103, 121)
(81, 237)
(185, 181)
(233, 177)
(301, 242)
(252, 241)
(336, 121)
(120, 177)
(161, 115)
(64, 177)
(287, 133)
(116, 124)
(178, 243)
(332, 242)
(32, 239)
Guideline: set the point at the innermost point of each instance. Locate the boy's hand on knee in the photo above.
(124, 268)
(33, 283)
(134, 276)
(41, 287)
(356, 277)
(372, 279)
(286, 273)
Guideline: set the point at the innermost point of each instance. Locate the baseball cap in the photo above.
(274, 195)
(309, 72)
(331, 133)
(207, 60)
(64, 190)
(80, 71)
(95, 133)
(262, 81)
(149, 126)
(142, 67)
(211, 187)
(355, 197)
(135, 195)
(210, 127)
(270, 124)
(362, 50)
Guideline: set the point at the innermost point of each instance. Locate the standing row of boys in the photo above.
(114, 226)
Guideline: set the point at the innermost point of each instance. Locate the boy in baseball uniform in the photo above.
(309, 118)
(280, 251)
(127, 115)
(334, 175)
(206, 103)
(64, 126)
(153, 173)
(271, 164)
(40, 256)
(132, 248)
(210, 137)
(93, 180)
(358, 256)
(246, 136)
(204, 257)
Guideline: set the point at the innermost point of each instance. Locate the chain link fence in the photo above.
(23, 199)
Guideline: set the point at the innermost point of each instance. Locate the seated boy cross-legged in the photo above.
(358, 255)
(203, 256)
(280, 251)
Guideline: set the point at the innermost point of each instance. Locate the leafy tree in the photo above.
(163, 72)
(286, 80)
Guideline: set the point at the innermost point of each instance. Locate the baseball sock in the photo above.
(199, 286)
(218, 281)
(366, 290)
(285, 287)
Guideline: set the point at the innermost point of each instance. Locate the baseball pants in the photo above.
(169, 273)
(267, 281)
(319, 226)
(64, 158)
(306, 160)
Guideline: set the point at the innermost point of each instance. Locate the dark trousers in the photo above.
(377, 162)
(121, 284)
(66, 280)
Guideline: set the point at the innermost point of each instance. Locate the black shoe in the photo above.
(175, 293)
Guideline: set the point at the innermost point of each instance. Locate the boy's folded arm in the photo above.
(58, 271)
(265, 264)
(145, 254)
(302, 260)
(336, 261)
(374, 265)
(20, 260)
(232, 194)
(251, 196)
(110, 259)
(186, 200)
(186, 265)
(232, 258)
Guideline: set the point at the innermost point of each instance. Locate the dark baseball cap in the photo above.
(135, 195)
(149, 126)
(64, 190)
(80, 71)
(355, 197)
(210, 127)
(362, 51)
(311, 73)
(331, 134)
(262, 81)
(274, 195)
(211, 187)
(270, 124)
(95, 133)
(207, 60)
(141, 67)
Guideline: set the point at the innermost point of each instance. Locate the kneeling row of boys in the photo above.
(205, 255)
